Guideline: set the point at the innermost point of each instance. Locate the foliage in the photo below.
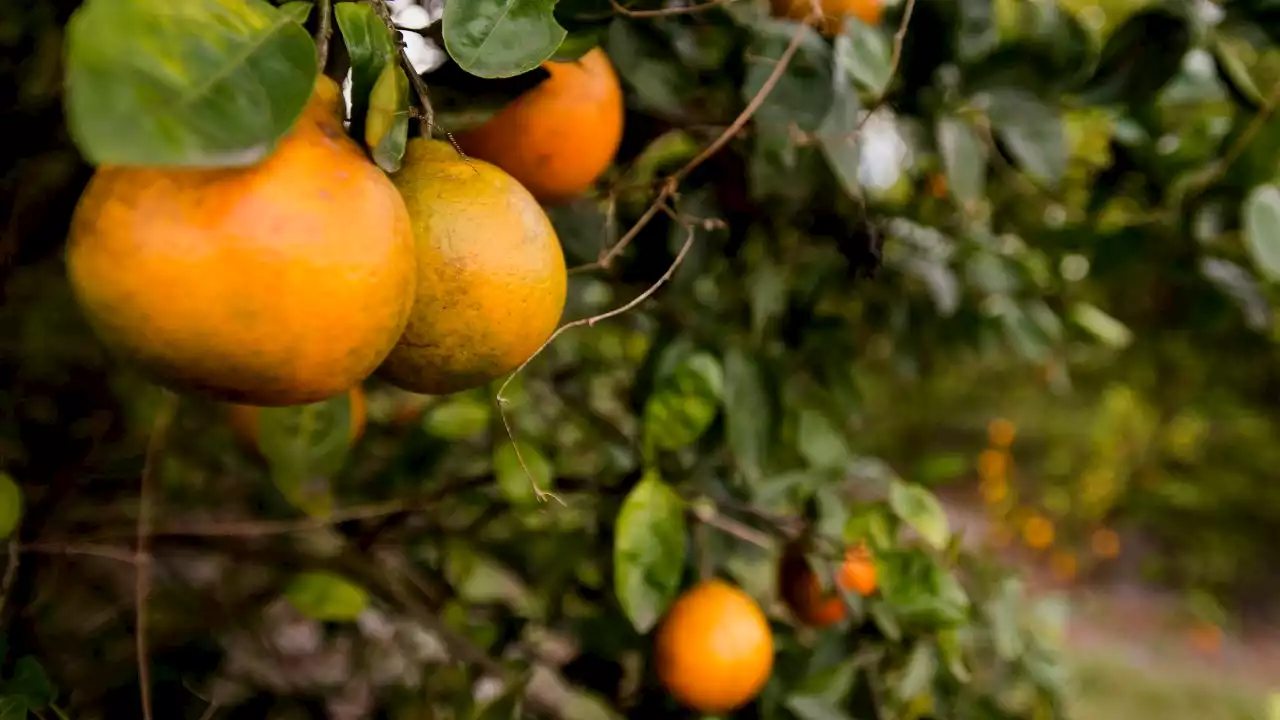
(1038, 184)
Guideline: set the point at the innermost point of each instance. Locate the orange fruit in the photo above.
(802, 592)
(1037, 532)
(282, 283)
(1064, 565)
(833, 12)
(714, 648)
(561, 135)
(1000, 433)
(993, 465)
(491, 273)
(244, 419)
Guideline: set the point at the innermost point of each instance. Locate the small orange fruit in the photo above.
(714, 649)
(491, 273)
(937, 185)
(244, 419)
(282, 283)
(993, 465)
(561, 135)
(1064, 565)
(833, 12)
(1037, 532)
(1000, 433)
(802, 592)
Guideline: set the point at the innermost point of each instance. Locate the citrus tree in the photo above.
(636, 253)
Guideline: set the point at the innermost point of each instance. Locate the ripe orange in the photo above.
(244, 419)
(560, 136)
(491, 273)
(714, 649)
(833, 12)
(803, 594)
(282, 283)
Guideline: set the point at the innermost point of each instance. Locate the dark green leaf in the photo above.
(326, 596)
(1032, 131)
(748, 412)
(577, 44)
(305, 445)
(1132, 68)
(14, 708)
(386, 127)
(646, 64)
(820, 442)
(919, 508)
(864, 55)
(371, 47)
(815, 707)
(917, 677)
(648, 551)
(511, 476)
(977, 33)
(684, 403)
(200, 83)
(838, 138)
(501, 38)
(29, 683)
(10, 505)
(1262, 229)
(803, 95)
(964, 156)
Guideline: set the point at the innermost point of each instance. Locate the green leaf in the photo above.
(501, 38)
(659, 83)
(804, 93)
(1101, 325)
(29, 683)
(14, 708)
(305, 445)
(920, 509)
(685, 402)
(386, 127)
(299, 10)
(820, 442)
(648, 551)
(918, 675)
(326, 596)
(371, 47)
(10, 505)
(1132, 68)
(666, 153)
(506, 706)
(747, 411)
(964, 157)
(864, 54)
(513, 481)
(461, 417)
(199, 83)
(815, 707)
(1004, 614)
(1032, 131)
(1262, 229)
(976, 32)
(838, 139)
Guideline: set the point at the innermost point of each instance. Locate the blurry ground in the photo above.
(1133, 654)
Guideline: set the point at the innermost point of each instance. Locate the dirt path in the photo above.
(1138, 625)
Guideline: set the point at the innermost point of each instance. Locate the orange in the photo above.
(993, 465)
(491, 273)
(282, 283)
(714, 649)
(1105, 543)
(802, 592)
(561, 135)
(833, 12)
(1000, 432)
(244, 419)
(1037, 532)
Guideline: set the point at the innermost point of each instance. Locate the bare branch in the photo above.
(324, 32)
(666, 12)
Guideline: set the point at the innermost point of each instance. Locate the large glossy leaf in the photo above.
(371, 47)
(1262, 229)
(501, 38)
(198, 83)
(648, 550)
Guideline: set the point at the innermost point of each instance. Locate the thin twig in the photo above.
(672, 183)
(590, 321)
(419, 86)
(711, 518)
(666, 12)
(142, 570)
(324, 31)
